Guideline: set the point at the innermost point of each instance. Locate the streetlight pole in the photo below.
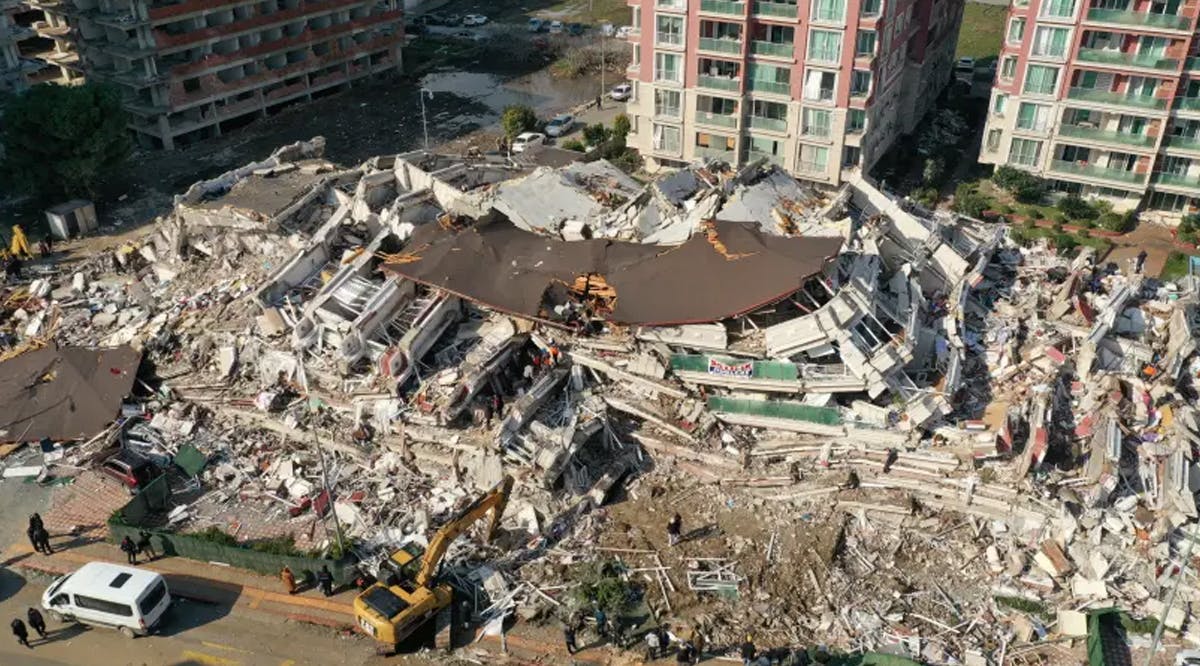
(424, 124)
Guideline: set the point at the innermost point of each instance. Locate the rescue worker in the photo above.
(22, 634)
(569, 639)
(674, 528)
(748, 651)
(289, 579)
(36, 621)
(130, 549)
(20, 244)
(325, 579)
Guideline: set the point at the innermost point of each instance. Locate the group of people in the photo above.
(38, 536)
(324, 580)
(142, 546)
(35, 621)
(658, 640)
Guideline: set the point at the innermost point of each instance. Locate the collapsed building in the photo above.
(874, 363)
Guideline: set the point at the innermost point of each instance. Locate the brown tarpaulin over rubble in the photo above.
(732, 270)
(64, 392)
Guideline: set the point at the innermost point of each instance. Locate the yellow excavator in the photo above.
(391, 610)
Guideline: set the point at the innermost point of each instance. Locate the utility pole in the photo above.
(337, 524)
(424, 125)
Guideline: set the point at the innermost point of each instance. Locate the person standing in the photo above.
(569, 639)
(325, 579)
(748, 651)
(652, 645)
(20, 244)
(32, 533)
(289, 579)
(145, 547)
(19, 630)
(35, 521)
(601, 622)
(685, 654)
(36, 621)
(1141, 262)
(674, 529)
(43, 538)
(130, 549)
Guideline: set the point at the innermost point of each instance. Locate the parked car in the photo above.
(556, 27)
(607, 29)
(451, 19)
(133, 472)
(527, 139)
(623, 32)
(575, 29)
(536, 25)
(560, 124)
(467, 34)
(475, 19)
(964, 69)
(131, 600)
(621, 92)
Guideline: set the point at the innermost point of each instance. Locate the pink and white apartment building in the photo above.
(1101, 97)
(820, 87)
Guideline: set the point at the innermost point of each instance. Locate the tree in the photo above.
(596, 134)
(935, 169)
(621, 126)
(969, 201)
(516, 119)
(64, 140)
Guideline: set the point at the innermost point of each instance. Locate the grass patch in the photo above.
(982, 30)
(1175, 267)
(1145, 626)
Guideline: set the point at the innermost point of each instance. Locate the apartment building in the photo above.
(15, 68)
(1102, 98)
(816, 86)
(190, 69)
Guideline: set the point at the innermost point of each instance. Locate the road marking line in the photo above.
(208, 659)
(219, 646)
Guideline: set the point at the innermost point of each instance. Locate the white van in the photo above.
(109, 595)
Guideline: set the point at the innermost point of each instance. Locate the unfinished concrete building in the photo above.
(190, 70)
(15, 68)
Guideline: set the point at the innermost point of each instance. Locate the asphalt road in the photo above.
(194, 634)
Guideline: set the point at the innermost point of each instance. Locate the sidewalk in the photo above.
(200, 581)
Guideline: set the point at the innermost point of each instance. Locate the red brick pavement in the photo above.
(85, 506)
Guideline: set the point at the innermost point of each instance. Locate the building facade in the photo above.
(1102, 98)
(16, 70)
(188, 70)
(816, 86)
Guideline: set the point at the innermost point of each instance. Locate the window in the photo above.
(1016, 31)
(818, 85)
(1024, 152)
(1176, 203)
(667, 102)
(1008, 67)
(152, 599)
(993, 140)
(715, 141)
(770, 79)
(814, 159)
(856, 120)
(668, 30)
(1051, 42)
(864, 44)
(672, 4)
(860, 82)
(824, 45)
(1033, 117)
(816, 122)
(870, 7)
(830, 11)
(61, 600)
(666, 138)
(762, 147)
(1141, 86)
(120, 580)
(1175, 166)
(1059, 8)
(768, 115)
(851, 156)
(92, 603)
(1041, 80)
(636, 60)
(666, 67)
(999, 103)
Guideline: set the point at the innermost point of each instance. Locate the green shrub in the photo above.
(1057, 218)
(1030, 193)
(1025, 187)
(1119, 222)
(621, 126)
(1033, 213)
(596, 134)
(517, 119)
(968, 200)
(573, 144)
(1065, 243)
(934, 171)
(1057, 227)
(214, 534)
(926, 196)
(1189, 223)
(1007, 209)
(1010, 178)
(601, 583)
(1076, 208)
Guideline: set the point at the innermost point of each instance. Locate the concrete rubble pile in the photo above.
(993, 438)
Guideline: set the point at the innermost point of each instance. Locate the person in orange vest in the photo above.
(20, 244)
(289, 580)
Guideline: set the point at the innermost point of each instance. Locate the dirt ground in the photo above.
(1155, 239)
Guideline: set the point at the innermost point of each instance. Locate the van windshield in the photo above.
(57, 584)
(155, 595)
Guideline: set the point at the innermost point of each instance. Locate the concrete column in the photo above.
(164, 130)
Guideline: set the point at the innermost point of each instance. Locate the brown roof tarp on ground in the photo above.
(506, 268)
(64, 392)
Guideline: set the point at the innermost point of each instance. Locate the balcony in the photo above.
(717, 154)
(1177, 180)
(1139, 19)
(831, 56)
(752, 155)
(772, 87)
(1189, 104)
(771, 49)
(727, 7)
(1191, 64)
(780, 9)
(819, 95)
(720, 45)
(812, 167)
(1119, 59)
(770, 124)
(717, 119)
(1183, 143)
(1093, 134)
(718, 83)
(1117, 99)
(1102, 173)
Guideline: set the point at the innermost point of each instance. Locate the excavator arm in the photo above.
(495, 500)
